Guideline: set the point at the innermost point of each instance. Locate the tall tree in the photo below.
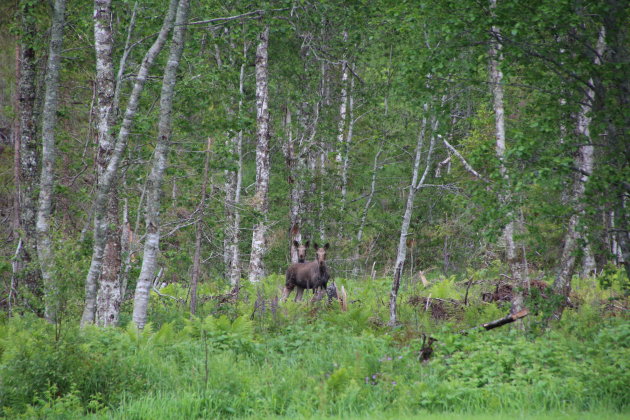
(108, 296)
(26, 268)
(154, 187)
(233, 185)
(49, 122)
(496, 82)
(108, 178)
(415, 185)
(196, 273)
(261, 198)
(584, 163)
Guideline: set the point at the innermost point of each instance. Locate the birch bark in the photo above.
(346, 150)
(343, 107)
(496, 81)
(194, 281)
(584, 162)
(108, 297)
(25, 268)
(49, 121)
(233, 186)
(106, 181)
(235, 261)
(261, 199)
(415, 185)
(16, 144)
(154, 187)
(366, 208)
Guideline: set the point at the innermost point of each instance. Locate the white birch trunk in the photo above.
(26, 269)
(343, 106)
(346, 151)
(584, 162)
(366, 208)
(401, 254)
(196, 273)
(108, 297)
(261, 198)
(49, 121)
(156, 178)
(126, 250)
(231, 253)
(235, 269)
(496, 81)
(106, 181)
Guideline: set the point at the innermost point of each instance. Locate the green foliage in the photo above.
(616, 278)
(313, 359)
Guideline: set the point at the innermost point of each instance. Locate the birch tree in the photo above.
(49, 122)
(496, 82)
(233, 186)
(346, 147)
(108, 296)
(196, 273)
(415, 185)
(261, 198)
(107, 180)
(25, 267)
(366, 208)
(584, 163)
(154, 187)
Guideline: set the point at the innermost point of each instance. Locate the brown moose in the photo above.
(311, 275)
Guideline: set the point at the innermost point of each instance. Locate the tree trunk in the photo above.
(49, 121)
(261, 198)
(235, 261)
(107, 180)
(346, 152)
(366, 208)
(16, 144)
(108, 297)
(343, 106)
(296, 185)
(194, 281)
(496, 81)
(584, 162)
(401, 254)
(154, 188)
(26, 260)
(231, 253)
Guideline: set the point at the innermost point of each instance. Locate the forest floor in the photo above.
(259, 358)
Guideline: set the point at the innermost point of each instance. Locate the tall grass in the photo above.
(257, 359)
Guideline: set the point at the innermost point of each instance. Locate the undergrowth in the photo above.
(260, 358)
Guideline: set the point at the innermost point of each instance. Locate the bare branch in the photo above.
(461, 158)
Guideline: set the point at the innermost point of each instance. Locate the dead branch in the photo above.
(500, 322)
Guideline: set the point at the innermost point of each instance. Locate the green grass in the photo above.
(313, 361)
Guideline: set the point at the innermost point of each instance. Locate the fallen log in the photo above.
(500, 322)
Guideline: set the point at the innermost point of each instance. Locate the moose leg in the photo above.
(286, 292)
(298, 293)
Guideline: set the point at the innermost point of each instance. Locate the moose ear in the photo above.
(326, 246)
(315, 245)
(296, 244)
(307, 244)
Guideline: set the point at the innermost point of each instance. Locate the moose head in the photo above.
(320, 252)
(301, 250)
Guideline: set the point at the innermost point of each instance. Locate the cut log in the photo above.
(507, 320)
(500, 322)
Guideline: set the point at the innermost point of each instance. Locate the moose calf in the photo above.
(311, 275)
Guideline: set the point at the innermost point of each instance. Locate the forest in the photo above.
(314, 209)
